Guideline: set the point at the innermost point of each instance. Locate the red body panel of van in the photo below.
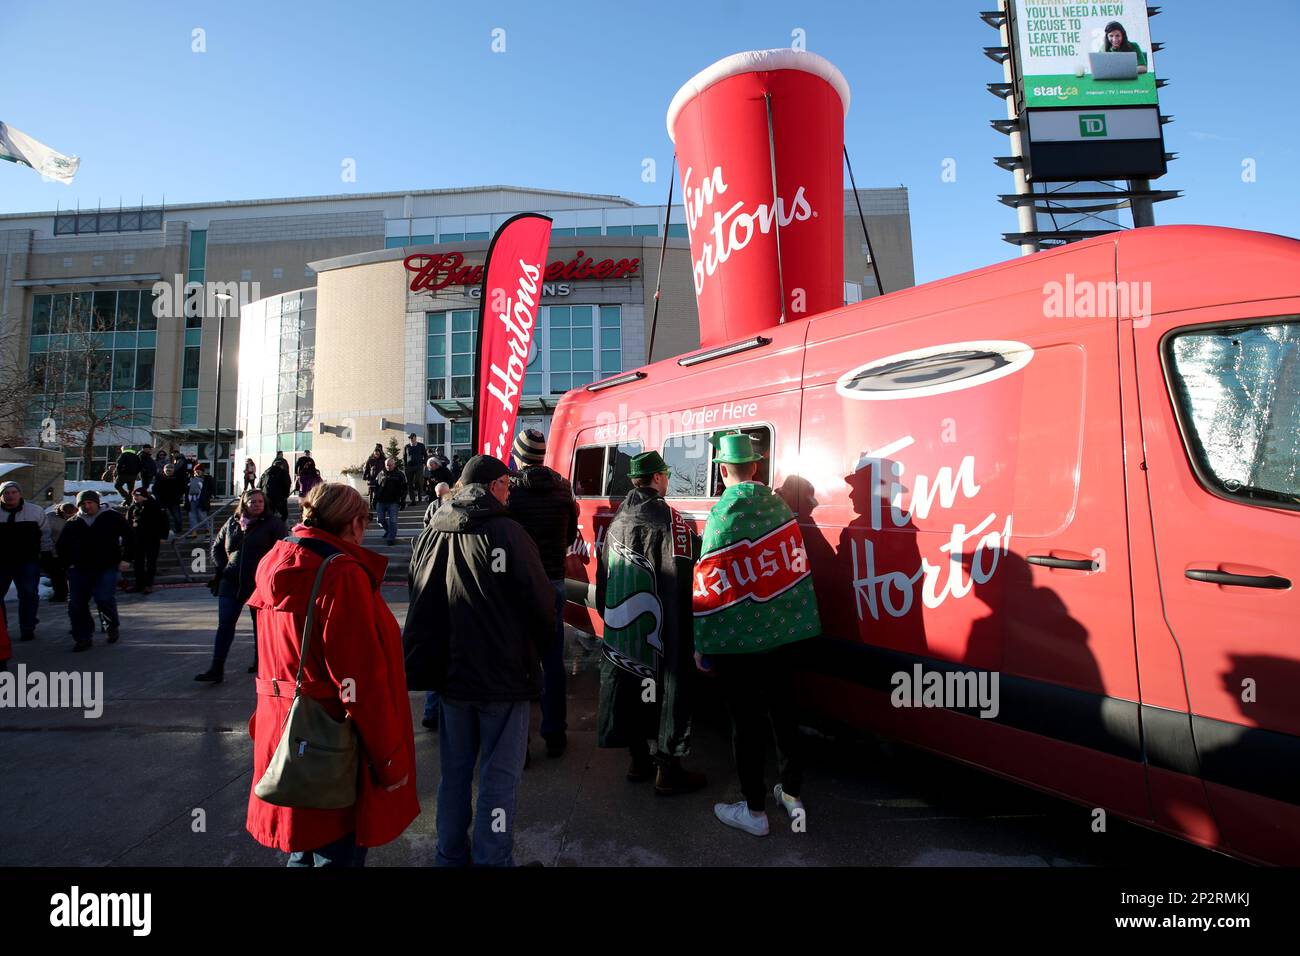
(994, 477)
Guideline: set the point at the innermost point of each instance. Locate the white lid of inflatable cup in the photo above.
(757, 61)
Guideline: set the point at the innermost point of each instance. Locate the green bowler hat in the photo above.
(647, 463)
(735, 450)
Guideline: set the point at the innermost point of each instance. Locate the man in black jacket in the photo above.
(169, 490)
(24, 536)
(91, 546)
(390, 498)
(481, 614)
(275, 483)
(542, 501)
(128, 466)
(148, 524)
(414, 454)
(644, 595)
(148, 467)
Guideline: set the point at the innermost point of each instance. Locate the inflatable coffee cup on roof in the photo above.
(760, 145)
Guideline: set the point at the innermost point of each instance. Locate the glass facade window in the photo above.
(98, 359)
(278, 356)
(572, 347)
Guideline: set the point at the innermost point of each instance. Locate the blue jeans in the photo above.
(84, 585)
(28, 578)
(388, 518)
(174, 512)
(430, 704)
(343, 852)
(554, 705)
(228, 609)
(496, 736)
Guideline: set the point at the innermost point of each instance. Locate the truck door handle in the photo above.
(1270, 581)
(1074, 564)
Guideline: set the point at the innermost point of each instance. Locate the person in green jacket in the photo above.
(754, 605)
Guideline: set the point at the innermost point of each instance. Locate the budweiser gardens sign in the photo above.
(440, 270)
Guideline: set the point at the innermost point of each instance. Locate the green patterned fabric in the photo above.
(753, 586)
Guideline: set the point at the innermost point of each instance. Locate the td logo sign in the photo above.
(1092, 124)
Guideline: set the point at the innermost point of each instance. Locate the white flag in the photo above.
(17, 147)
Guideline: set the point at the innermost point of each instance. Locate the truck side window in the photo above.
(601, 470)
(588, 470)
(693, 473)
(617, 465)
(1237, 391)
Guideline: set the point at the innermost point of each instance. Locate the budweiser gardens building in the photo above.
(338, 343)
(383, 344)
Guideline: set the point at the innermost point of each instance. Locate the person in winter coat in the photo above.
(308, 478)
(371, 470)
(647, 560)
(250, 474)
(24, 536)
(169, 490)
(238, 548)
(6, 648)
(128, 467)
(198, 493)
(356, 639)
(304, 465)
(390, 498)
(414, 455)
(181, 462)
(542, 501)
(58, 519)
(482, 613)
(275, 483)
(91, 547)
(148, 467)
(148, 524)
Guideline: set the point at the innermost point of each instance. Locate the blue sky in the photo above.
(414, 94)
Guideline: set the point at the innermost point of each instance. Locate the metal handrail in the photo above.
(192, 536)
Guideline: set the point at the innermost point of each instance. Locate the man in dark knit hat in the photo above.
(647, 664)
(481, 616)
(542, 501)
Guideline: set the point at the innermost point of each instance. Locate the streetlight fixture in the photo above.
(222, 298)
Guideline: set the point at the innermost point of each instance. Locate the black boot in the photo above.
(673, 778)
(214, 674)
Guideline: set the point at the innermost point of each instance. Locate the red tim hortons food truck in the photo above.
(1077, 472)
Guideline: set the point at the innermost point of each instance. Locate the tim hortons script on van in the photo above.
(732, 230)
(895, 590)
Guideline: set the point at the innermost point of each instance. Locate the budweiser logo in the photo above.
(750, 570)
(732, 230)
(518, 315)
(434, 272)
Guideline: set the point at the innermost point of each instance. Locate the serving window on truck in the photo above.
(1236, 390)
(600, 471)
(690, 460)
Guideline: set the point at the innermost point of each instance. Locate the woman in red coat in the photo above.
(356, 637)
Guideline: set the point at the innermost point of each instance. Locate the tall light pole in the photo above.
(222, 298)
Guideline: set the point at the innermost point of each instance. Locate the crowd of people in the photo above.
(483, 638)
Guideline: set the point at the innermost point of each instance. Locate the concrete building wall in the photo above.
(360, 360)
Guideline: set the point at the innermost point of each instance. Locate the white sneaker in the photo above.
(738, 815)
(791, 804)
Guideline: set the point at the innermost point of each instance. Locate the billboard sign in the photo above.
(1083, 55)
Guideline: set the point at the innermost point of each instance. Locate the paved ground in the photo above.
(122, 790)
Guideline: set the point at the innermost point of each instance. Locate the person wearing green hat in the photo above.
(643, 594)
(754, 603)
